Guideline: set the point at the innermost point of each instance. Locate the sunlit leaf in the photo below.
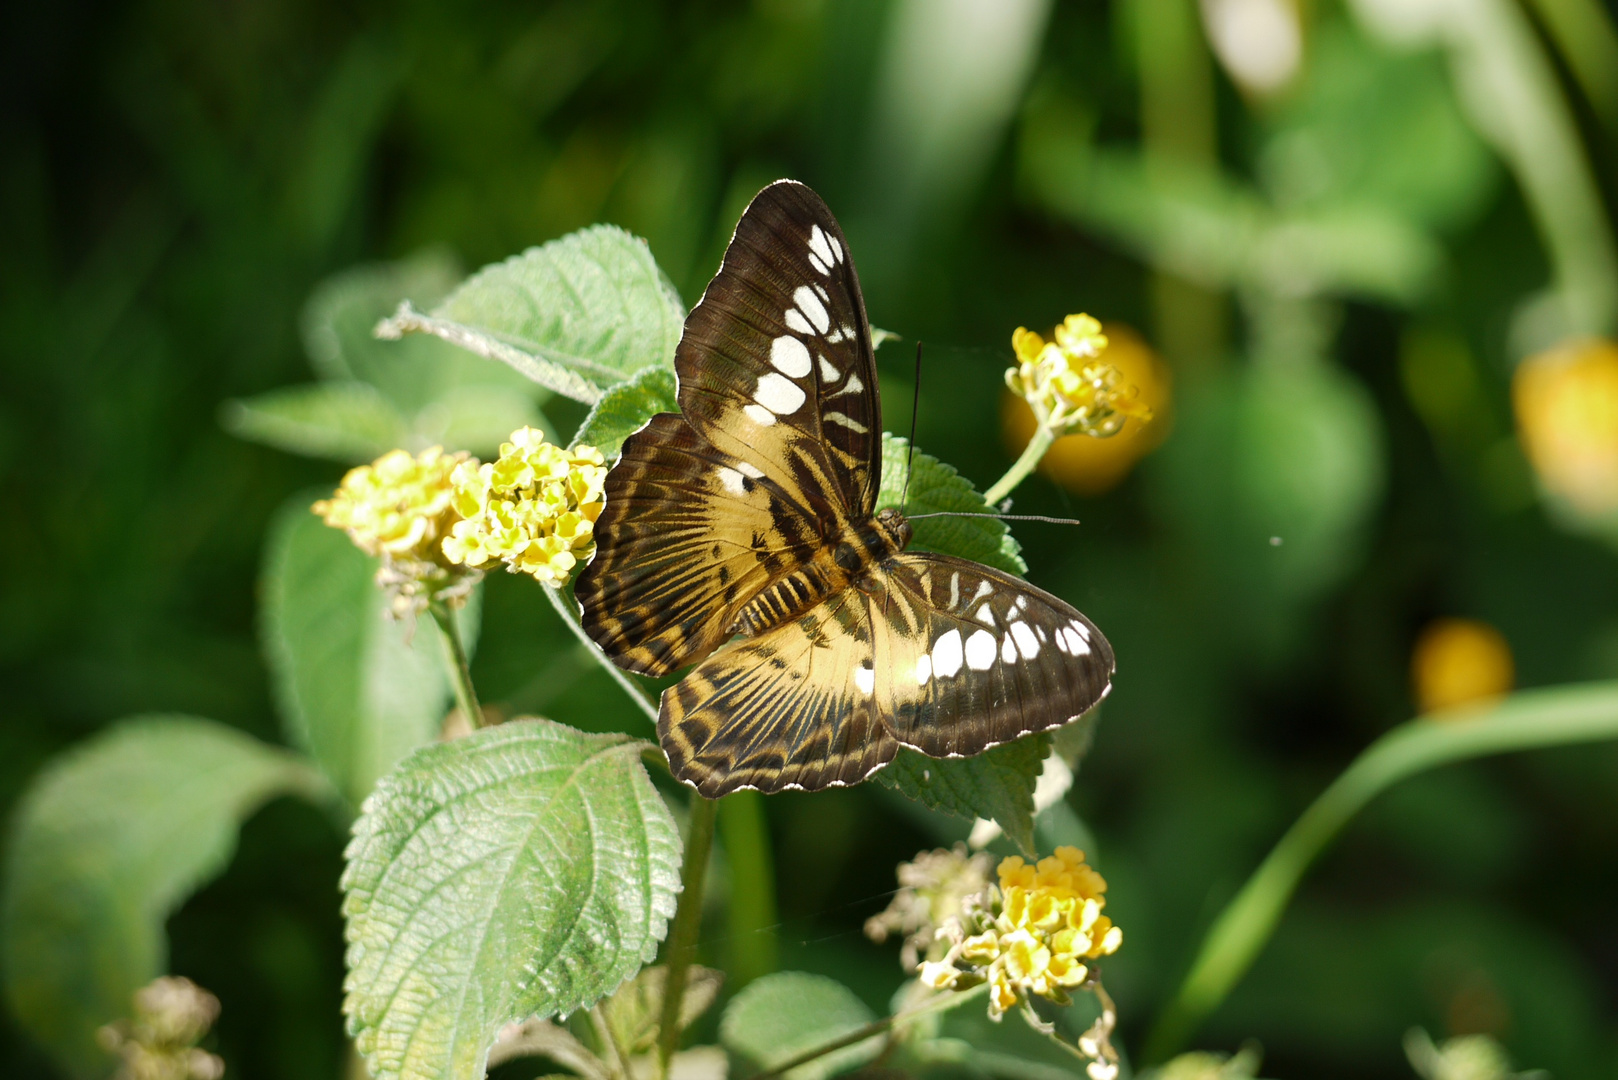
(525, 870)
(349, 422)
(996, 785)
(576, 315)
(626, 407)
(107, 842)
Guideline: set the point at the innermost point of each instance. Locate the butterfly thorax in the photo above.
(841, 563)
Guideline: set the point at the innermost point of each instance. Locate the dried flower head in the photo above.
(1066, 383)
(534, 509)
(399, 508)
(932, 889)
(158, 1042)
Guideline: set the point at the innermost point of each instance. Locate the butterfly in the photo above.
(741, 534)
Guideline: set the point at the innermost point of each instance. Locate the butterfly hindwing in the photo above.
(775, 365)
(688, 536)
(791, 708)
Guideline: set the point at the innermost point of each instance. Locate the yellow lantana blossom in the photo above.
(1566, 400)
(1066, 383)
(534, 509)
(1033, 934)
(399, 505)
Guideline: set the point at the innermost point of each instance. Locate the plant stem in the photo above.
(1523, 721)
(687, 922)
(1041, 442)
(876, 1027)
(565, 610)
(460, 672)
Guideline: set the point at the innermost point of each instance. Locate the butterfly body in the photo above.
(742, 535)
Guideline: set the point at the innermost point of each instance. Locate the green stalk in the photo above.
(565, 610)
(1523, 721)
(1036, 448)
(752, 888)
(940, 1003)
(682, 944)
(460, 672)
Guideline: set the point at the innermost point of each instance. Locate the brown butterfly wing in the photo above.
(969, 657)
(687, 537)
(776, 366)
(782, 710)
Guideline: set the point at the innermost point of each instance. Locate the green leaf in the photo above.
(633, 1013)
(107, 842)
(523, 871)
(997, 785)
(624, 408)
(349, 422)
(937, 486)
(357, 690)
(576, 315)
(778, 1017)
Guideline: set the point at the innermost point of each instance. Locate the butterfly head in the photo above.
(894, 526)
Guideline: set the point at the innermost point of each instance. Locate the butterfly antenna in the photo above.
(910, 449)
(997, 517)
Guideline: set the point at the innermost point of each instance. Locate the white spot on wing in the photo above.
(947, 653)
(834, 337)
(854, 385)
(1079, 628)
(759, 415)
(795, 321)
(790, 356)
(864, 678)
(1027, 643)
(779, 394)
(836, 248)
(750, 470)
(985, 615)
(954, 589)
(980, 651)
(1008, 649)
(818, 247)
(850, 424)
(827, 372)
(924, 669)
(815, 261)
(825, 297)
(1076, 645)
(810, 305)
(732, 480)
(984, 589)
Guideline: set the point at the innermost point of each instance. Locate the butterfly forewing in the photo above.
(969, 657)
(775, 365)
(794, 707)
(688, 536)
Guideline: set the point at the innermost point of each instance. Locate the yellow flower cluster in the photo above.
(1067, 385)
(1035, 936)
(534, 509)
(398, 506)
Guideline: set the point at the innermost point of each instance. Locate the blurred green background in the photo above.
(1341, 226)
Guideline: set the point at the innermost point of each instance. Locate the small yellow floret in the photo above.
(1457, 661)
(1566, 401)
(396, 506)
(533, 509)
(1067, 386)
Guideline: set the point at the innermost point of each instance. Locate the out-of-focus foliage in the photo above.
(1341, 269)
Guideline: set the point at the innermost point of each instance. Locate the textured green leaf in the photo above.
(624, 408)
(576, 315)
(937, 486)
(107, 842)
(344, 421)
(778, 1017)
(997, 785)
(357, 690)
(523, 871)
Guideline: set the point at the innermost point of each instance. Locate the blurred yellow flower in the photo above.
(159, 1042)
(534, 509)
(1456, 661)
(399, 505)
(1090, 466)
(1067, 386)
(1566, 400)
(1032, 935)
